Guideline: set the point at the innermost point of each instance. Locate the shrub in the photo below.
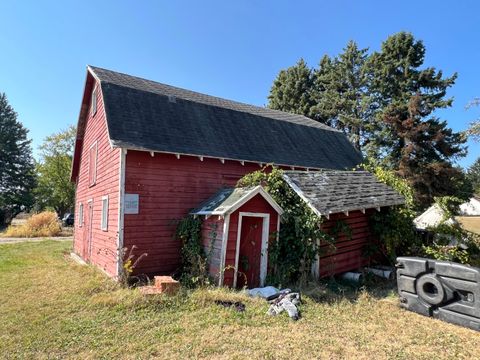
(130, 262)
(451, 242)
(43, 224)
(394, 227)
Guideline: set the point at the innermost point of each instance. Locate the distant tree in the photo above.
(55, 190)
(292, 90)
(418, 145)
(474, 129)
(17, 176)
(342, 94)
(473, 174)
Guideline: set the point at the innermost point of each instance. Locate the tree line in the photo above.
(26, 184)
(386, 102)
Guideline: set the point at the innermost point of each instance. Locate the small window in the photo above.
(92, 164)
(105, 213)
(80, 215)
(93, 106)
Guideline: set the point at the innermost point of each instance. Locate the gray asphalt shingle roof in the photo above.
(329, 191)
(222, 201)
(228, 200)
(147, 115)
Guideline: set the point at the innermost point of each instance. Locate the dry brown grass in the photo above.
(54, 308)
(470, 223)
(40, 225)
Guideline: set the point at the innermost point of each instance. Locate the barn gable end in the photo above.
(97, 179)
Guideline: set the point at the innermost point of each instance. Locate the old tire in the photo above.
(430, 289)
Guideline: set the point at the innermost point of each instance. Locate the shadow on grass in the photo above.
(333, 289)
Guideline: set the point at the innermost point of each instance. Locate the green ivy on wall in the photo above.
(394, 227)
(292, 256)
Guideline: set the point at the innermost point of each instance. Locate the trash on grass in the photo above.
(263, 292)
(288, 302)
(237, 305)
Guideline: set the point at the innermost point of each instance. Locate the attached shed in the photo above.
(347, 198)
(239, 224)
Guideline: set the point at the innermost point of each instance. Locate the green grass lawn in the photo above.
(50, 307)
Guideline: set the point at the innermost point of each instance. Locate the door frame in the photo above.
(264, 249)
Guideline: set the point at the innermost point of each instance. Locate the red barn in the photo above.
(146, 154)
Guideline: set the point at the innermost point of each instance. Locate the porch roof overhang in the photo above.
(333, 191)
(227, 200)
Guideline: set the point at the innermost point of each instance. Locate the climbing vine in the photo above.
(341, 227)
(452, 242)
(394, 226)
(194, 270)
(292, 256)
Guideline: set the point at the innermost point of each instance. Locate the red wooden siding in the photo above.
(256, 205)
(348, 252)
(106, 176)
(168, 189)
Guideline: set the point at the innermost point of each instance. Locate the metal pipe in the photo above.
(352, 276)
(382, 272)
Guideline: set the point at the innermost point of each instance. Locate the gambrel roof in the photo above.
(329, 192)
(147, 115)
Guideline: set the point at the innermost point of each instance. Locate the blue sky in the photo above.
(231, 49)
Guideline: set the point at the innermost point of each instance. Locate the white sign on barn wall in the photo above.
(131, 204)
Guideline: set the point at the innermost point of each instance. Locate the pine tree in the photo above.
(17, 177)
(417, 143)
(291, 90)
(473, 175)
(342, 94)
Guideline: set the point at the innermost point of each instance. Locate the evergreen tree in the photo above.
(291, 90)
(417, 144)
(17, 177)
(473, 174)
(342, 94)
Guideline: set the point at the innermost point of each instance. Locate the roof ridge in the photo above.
(217, 101)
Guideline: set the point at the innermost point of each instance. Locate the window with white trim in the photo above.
(80, 215)
(93, 106)
(105, 213)
(92, 164)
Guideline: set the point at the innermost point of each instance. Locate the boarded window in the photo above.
(92, 164)
(93, 106)
(80, 215)
(105, 213)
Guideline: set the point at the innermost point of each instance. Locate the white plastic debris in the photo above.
(286, 302)
(263, 292)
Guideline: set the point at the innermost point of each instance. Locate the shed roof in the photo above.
(228, 200)
(329, 191)
(147, 115)
(431, 217)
